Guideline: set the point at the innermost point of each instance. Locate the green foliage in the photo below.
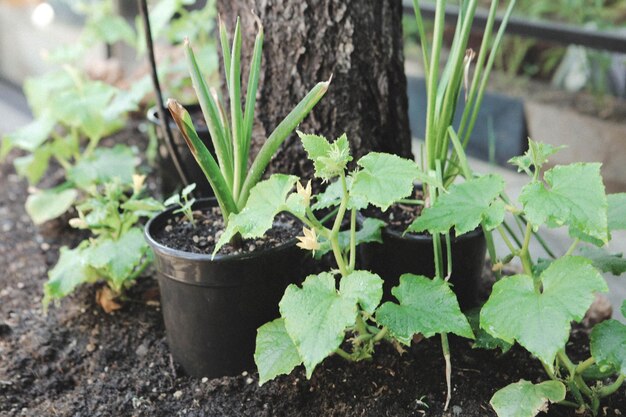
(184, 201)
(103, 166)
(536, 308)
(617, 211)
(426, 306)
(275, 353)
(525, 399)
(329, 159)
(538, 314)
(384, 179)
(116, 253)
(464, 207)
(608, 344)
(484, 340)
(572, 195)
(231, 131)
(49, 204)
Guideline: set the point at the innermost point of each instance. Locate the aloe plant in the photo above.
(444, 86)
(231, 130)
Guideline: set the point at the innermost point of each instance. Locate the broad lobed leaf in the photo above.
(426, 306)
(608, 345)
(540, 321)
(362, 287)
(329, 159)
(275, 353)
(525, 399)
(316, 318)
(464, 207)
(617, 211)
(71, 270)
(267, 199)
(49, 204)
(103, 166)
(384, 179)
(572, 195)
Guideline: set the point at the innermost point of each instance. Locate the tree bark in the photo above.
(358, 42)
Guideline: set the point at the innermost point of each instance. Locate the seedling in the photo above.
(184, 201)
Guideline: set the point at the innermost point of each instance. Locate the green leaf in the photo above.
(329, 159)
(540, 321)
(369, 232)
(71, 270)
(617, 211)
(624, 308)
(117, 259)
(49, 204)
(574, 196)
(534, 158)
(275, 352)
(603, 260)
(483, 339)
(33, 166)
(427, 306)
(384, 179)
(144, 207)
(29, 137)
(525, 399)
(103, 166)
(364, 288)
(333, 194)
(464, 207)
(316, 317)
(608, 344)
(267, 199)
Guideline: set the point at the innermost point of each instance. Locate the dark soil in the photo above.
(208, 226)
(78, 361)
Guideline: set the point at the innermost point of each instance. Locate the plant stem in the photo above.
(446, 356)
(334, 233)
(491, 248)
(525, 255)
(506, 240)
(380, 335)
(344, 354)
(352, 240)
(611, 389)
(572, 247)
(411, 201)
(584, 365)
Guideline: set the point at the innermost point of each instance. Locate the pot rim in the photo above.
(202, 257)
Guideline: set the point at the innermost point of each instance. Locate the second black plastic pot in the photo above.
(170, 181)
(213, 307)
(413, 253)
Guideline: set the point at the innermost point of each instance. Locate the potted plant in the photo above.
(340, 311)
(212, 303)
(405, 250)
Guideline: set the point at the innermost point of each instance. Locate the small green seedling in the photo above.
(184, 201)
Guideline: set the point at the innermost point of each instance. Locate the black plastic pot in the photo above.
(413, 253)
(213, 307)
(170, 181)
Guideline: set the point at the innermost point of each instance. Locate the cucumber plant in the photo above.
(536, 307)
(340, 311)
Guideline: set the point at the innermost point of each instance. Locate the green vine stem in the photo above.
(445, 346)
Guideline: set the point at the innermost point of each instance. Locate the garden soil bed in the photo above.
(78, 361)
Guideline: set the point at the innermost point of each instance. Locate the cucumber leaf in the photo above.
(464, 207)
(617, 211)
(426, 306)
(316, 317)
(540, 320)
(384, 179)
(267, 199)
(275, 352)
(525, 399)
(572, 195)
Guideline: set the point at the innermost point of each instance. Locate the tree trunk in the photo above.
(358, 42)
